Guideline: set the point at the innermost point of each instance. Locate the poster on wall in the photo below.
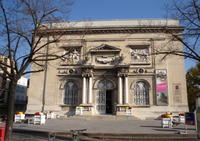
(161, 87)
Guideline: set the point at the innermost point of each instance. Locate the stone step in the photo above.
(100, 117)
(134, 137)
(143, 137)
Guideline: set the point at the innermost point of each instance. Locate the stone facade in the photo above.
(110, 67)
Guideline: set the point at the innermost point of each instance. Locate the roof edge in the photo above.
(113, 23)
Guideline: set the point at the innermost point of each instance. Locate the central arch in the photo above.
(104, 97)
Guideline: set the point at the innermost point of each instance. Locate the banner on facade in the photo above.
(161, 87)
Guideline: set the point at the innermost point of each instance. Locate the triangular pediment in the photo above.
(105, 48)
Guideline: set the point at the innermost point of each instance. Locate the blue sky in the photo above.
(117, 9)
(120, 9)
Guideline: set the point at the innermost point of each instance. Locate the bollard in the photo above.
(2, 133)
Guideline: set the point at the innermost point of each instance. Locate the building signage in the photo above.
(161, 87)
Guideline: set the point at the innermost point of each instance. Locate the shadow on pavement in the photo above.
(164, 129)
(31, 135)
(151, 126)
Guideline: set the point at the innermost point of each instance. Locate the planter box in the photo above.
(181, 119)
(128, 111)
(51, 116)
(19, 118)
(166, 122)
(39, 119)
(79, 111)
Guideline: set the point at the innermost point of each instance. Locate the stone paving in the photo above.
(132, 126)
(149, 126)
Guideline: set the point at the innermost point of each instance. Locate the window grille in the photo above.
(141, 93)
(71, 93)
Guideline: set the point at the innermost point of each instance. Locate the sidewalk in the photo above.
(106, 126)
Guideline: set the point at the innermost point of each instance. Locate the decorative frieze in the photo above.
(140, 70)
(114, 30)
(70, 71)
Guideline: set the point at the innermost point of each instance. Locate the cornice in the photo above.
(110, 30)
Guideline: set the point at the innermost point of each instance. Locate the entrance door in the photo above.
(109, 102)
(101, 102)
(104, 97)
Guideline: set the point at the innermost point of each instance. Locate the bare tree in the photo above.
(188, 13)
(21, 43)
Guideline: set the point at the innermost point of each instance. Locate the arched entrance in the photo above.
(104, 97)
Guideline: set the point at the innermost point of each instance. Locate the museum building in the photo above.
(111, 67)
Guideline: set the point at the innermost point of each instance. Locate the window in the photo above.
(71, 93)
(141, 93)
(140, 54)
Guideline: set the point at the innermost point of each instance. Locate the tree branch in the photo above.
(27, 72)
(8, 36)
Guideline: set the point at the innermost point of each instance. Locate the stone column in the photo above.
(119, 90)
(126, 89)
(84, 91)
(90, 90)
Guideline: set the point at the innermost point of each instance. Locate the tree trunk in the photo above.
(10, 110)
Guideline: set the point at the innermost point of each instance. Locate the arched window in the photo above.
(141, 93)
(71, 93)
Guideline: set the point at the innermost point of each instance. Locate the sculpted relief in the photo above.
(110, 60)
(104, 59)
(71, 57)
(140, 55)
